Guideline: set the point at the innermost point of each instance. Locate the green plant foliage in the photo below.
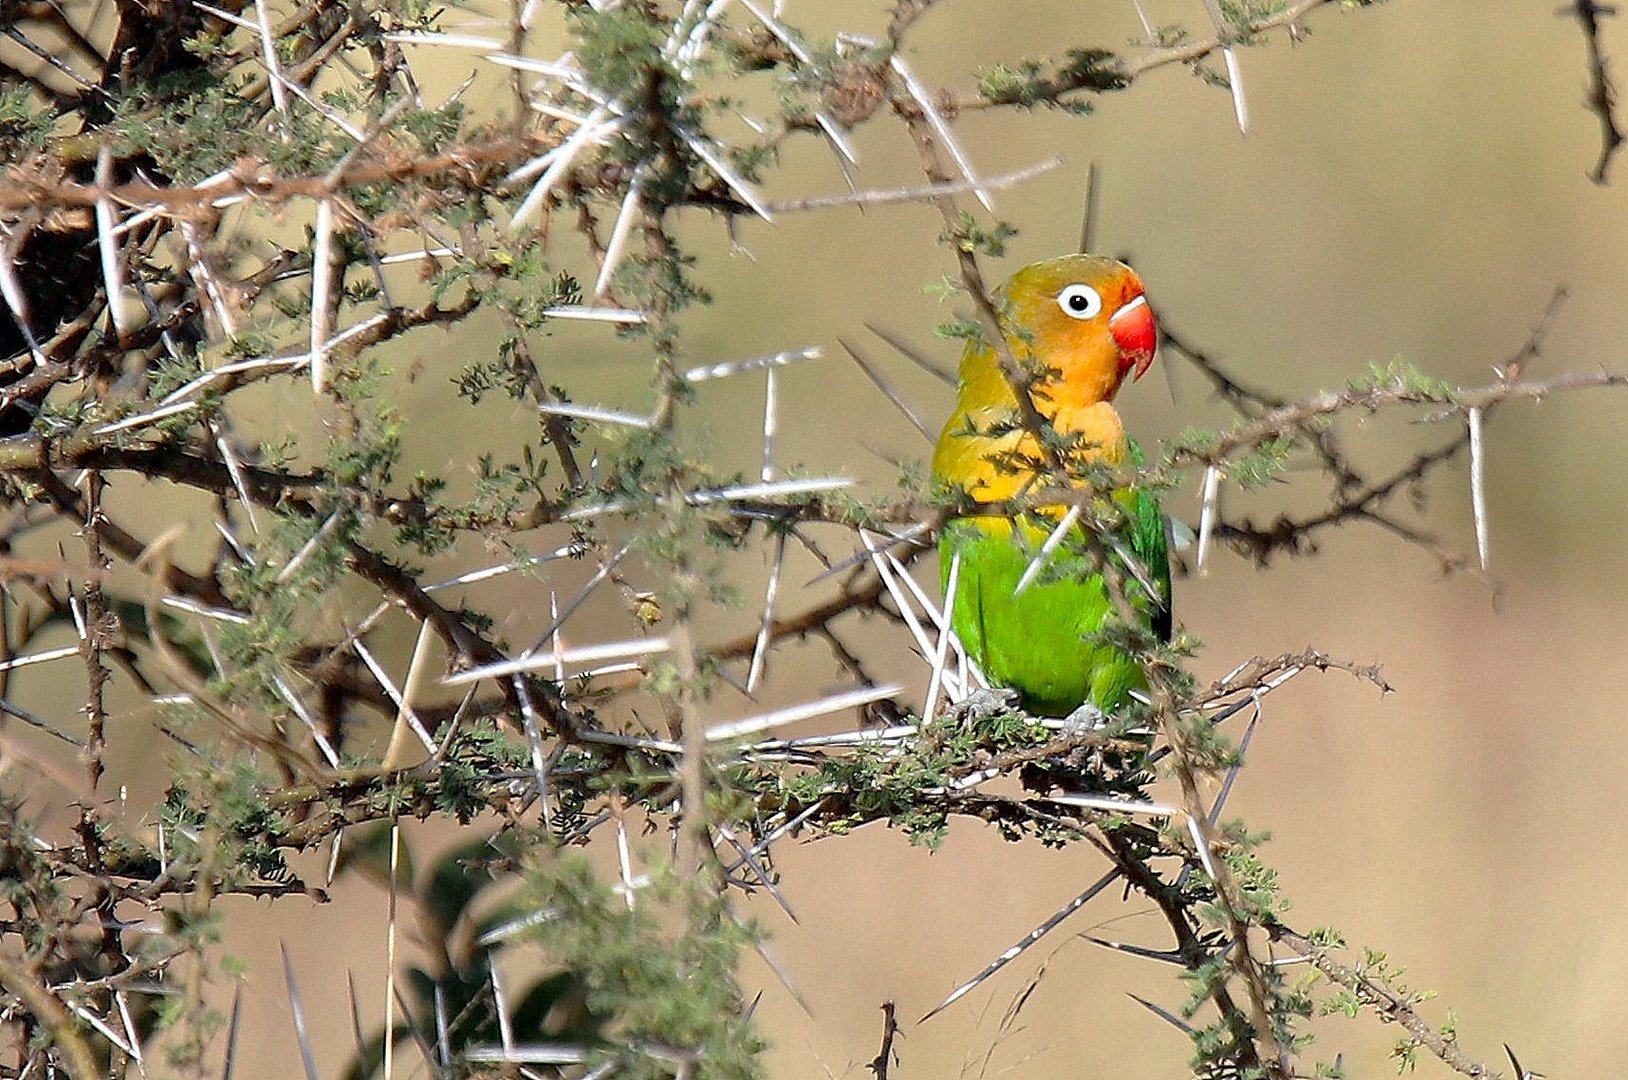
(661, 969)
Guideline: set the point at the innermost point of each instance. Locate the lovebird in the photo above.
(1083, 323)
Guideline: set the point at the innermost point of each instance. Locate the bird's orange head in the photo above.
(1086, 317)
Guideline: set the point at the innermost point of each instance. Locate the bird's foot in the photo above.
(1086, 718)
(983, 704)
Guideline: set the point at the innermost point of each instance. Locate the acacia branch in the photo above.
(1602, 92)
(1371, 398)
(1389, 1004)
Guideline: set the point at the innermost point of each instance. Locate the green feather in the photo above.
(1047, 642)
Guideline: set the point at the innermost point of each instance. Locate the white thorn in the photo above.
(944, 635)
(268, 50)
(321, 289)
(1147, 24)
(537, 661)
(1235, 79)
(941, 128)
(907, 611)
(770, 423)
(112, 264)
(1478, 484)
(559, 160)
(781, 717)
(1058, 534)
(593, 413)
(733, 180)
(632, 206)
(760, 647)
(1206, 516)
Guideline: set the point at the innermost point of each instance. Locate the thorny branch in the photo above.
(1602, 92)
(1391, 1004)
(1354, 495)
(273, 669)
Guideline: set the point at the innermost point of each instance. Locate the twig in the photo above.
(1386, 1002)
(1602, 92)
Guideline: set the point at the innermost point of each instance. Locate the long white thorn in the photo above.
(733, 180)
(582, 595)
(760, 647)
(390, 924)
(771, 421)
(770, 490)
(693, 44)
(593, 413)
(906, 610)
(12, 291)
(941, 128)
(534, 735)
(847, 155)
(1118, 806)
(1478, 484)
(938, 617)
(293, 565)
(102, 1026)
(1053, 541)
(461, 41)
(286, 692)
(322, 276)
(676, 35)
(781, 32)
(201, 271)
(624, 316)
(403, 706)
(122, 1000)
(108, 243)
(268, 49)
(889, 391)
(1147, 24)
(632, 208)
(412, 689)
(143, 419)
(564, 155)
(234, 469)
(1235, 78)
(933, 611)
(538, 661)
(624, 861)
(39, 657)
(797, 713)
(942, 656)
(1201, 843)
(1208, 507)
(558, 641)
(1029, 939)
(487, 572)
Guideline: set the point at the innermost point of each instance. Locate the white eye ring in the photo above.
(1080, 302)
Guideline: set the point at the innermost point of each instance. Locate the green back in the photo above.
(1043, 642)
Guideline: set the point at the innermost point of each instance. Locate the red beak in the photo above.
(1137, 334)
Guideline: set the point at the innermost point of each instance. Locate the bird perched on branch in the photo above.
(1075, 326)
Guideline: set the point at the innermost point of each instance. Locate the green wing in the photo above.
(1046, 642)
(1150, 543)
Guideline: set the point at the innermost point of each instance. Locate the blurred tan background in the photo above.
(1414, 185)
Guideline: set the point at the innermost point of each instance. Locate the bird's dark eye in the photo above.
(1080, 301)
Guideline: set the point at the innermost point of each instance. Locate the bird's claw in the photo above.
(1085, 718)
(983, 704)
